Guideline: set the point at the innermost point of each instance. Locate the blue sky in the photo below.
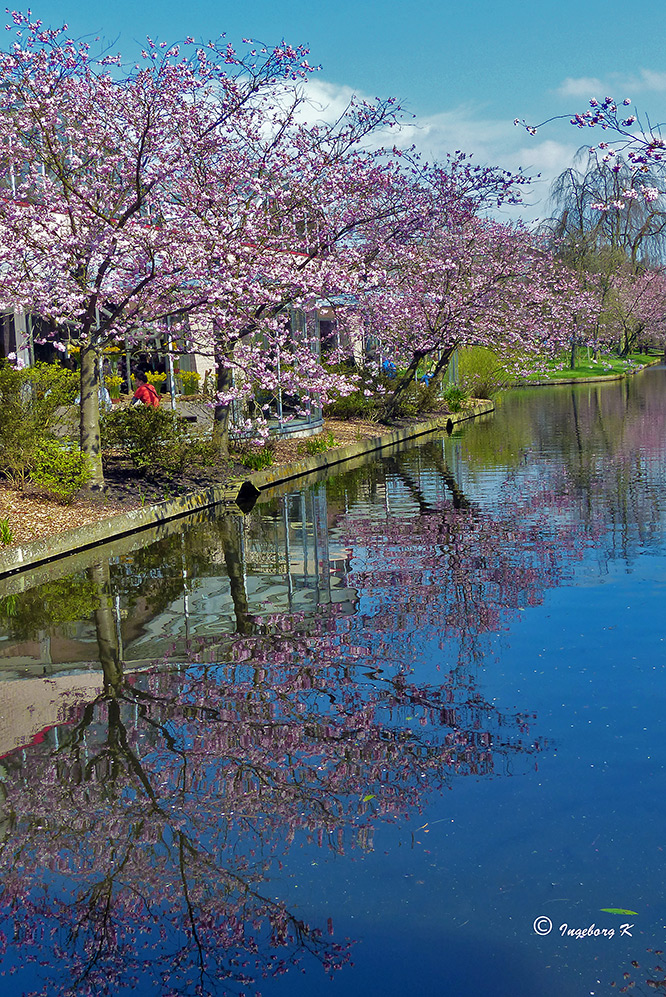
(466, 70)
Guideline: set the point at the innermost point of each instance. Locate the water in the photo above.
(401, 732)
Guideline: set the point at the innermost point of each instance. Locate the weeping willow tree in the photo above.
(607, 220)
(608, 205)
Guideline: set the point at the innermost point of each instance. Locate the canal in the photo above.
(399, 732)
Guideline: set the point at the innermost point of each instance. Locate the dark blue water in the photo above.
(400, 733)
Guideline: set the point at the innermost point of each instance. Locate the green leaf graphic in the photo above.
(617, 910)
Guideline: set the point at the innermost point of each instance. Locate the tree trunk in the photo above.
(441, 367)
(224, 384)
(437, 374)
(391, 405)
(574, 343)
(89, 419)
(627, 342)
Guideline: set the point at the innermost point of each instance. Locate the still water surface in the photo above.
(375, 737)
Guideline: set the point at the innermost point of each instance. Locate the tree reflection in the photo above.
(605, 439)
(450, 571)
(653, 975)
(139, 853)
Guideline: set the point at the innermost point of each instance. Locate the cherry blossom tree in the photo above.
(189, 187)
(474, 282)
(101, 224)
(634, 313)
(319, 189)
(629, 135)
(136, 196)
(344, 208)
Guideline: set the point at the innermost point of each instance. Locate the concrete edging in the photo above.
(237, 492)
(572, 380)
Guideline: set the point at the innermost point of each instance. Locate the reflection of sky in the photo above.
(448, 909)
(452, 912)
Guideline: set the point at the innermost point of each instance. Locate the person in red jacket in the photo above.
(145, 393)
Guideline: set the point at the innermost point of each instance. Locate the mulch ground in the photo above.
(32, 516)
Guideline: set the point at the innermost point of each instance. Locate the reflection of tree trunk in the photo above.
(414, 489)
(460, 500)
(105, 626)
(574, 403)
(584, 473)
(5, 819)
(599, 419)
(233, 560)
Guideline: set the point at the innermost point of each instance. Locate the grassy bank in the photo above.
(606, 365)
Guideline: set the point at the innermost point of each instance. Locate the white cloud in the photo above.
(617, 85)
(648, 79)
(461, 128)
(547, 157)
(581, 86)
(492, 142)
(544, 161)
(324, 101)
(434, 135)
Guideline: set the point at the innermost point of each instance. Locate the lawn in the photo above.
(605, 365)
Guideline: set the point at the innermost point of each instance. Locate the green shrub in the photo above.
(31, 401)
(374, 397)
(256, 459)
(52, 386)
(418, 397)
(59, 469)
(316, 444)
(480, 372)
(6, 532)
(428, 395)
(363, 403)
(200, 450)
(455, 397)
(354, 406)
(151, 437)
